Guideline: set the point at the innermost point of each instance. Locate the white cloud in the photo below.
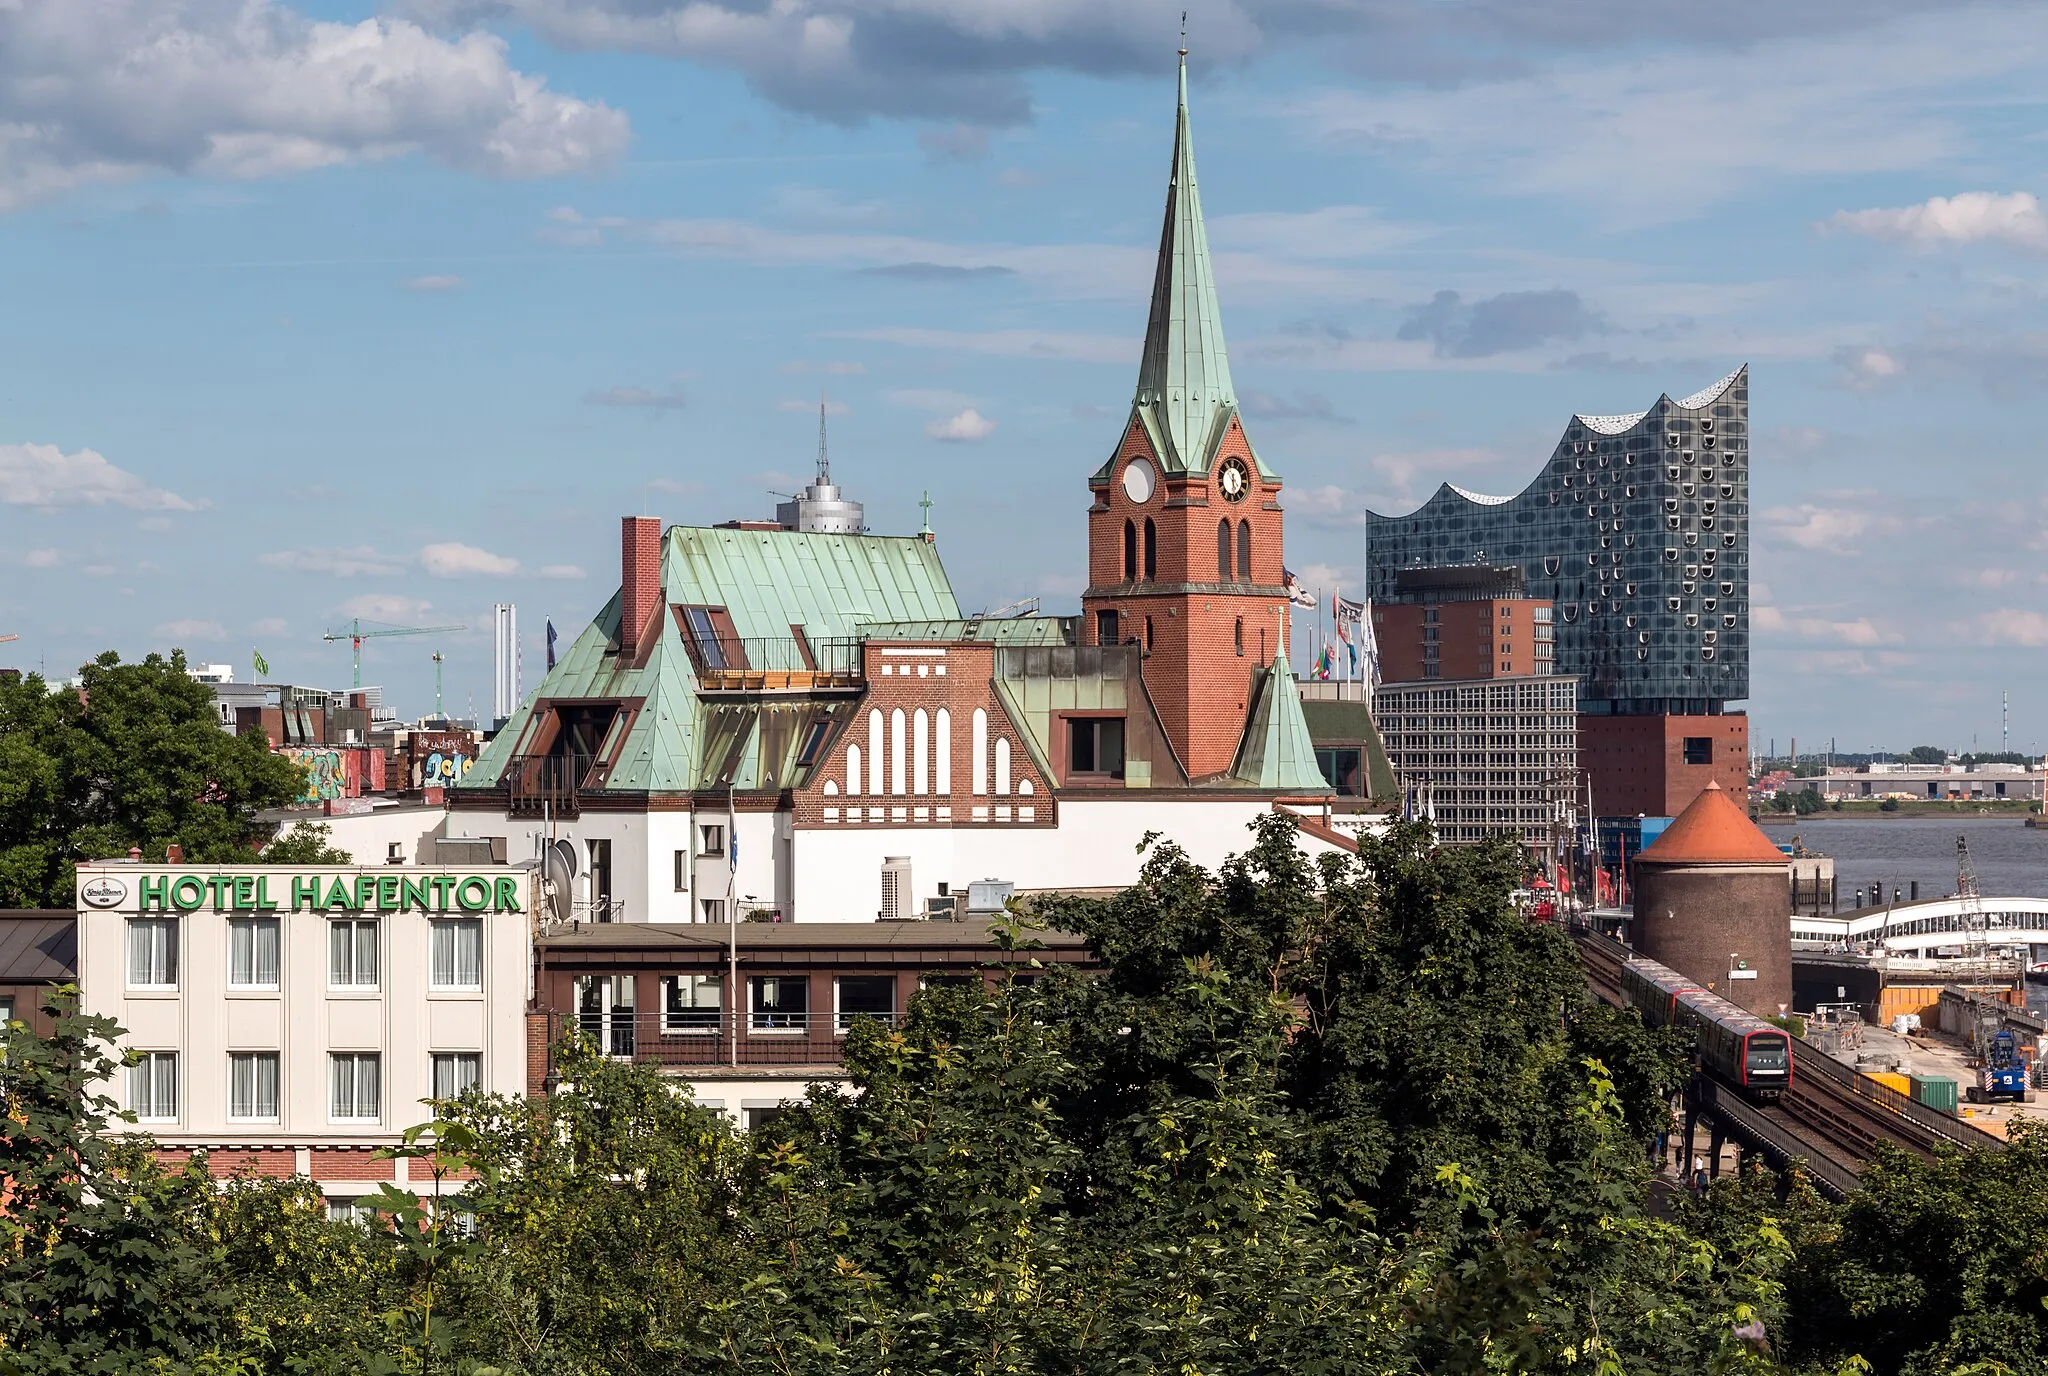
(269, 625)
(969, 425)
(358, 561)
(1811, 629)
(2012, 626)
(434, 282)
(798, 406)
(107, 90)
(387, 607)
(456, 560)
(191, 630)
(1866, 367)
(1046, 344)
(563, 572)
(1648, 138)
(43, 475)
(1970, 218)
(1811, 526)
(41, 559)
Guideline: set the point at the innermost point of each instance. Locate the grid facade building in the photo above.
(1491, 757)
(1637, 530)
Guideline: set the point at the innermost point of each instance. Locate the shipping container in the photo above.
(1935, 1092)
(1890, 1080)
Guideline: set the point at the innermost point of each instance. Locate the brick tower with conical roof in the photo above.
(1714, 902)
(1184, 532)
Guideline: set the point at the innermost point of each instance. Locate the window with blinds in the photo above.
(252, 953)
(252, 1085)
(458, 954)
(152, 953)
(356, 1081)
(352, 953)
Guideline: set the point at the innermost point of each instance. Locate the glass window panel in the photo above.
(153, 952)
(153, 1086)
(252, 1084)
(781, 1002)
(866, 996)
(456, 1071)
(690, 1003)
(357, 1092)
(458, 954)
(352, 953)
(252, 952)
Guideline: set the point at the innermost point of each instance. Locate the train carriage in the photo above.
(1732, 1043)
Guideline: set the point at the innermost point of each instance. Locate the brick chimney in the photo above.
(639, 576)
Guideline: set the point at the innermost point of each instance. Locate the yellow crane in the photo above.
(355, 635)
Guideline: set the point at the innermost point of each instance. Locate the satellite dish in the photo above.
(558, 873)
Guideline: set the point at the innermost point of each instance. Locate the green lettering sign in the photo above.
(338, 896)
(412, 894)
(263, 893)
(245, 891)
(187, 893)
(506, 898)
(220, 886)
(305, 891)
(155, 891)
(387, 891)
(473, 895)
(443, 885)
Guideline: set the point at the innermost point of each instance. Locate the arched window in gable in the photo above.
(1244, 550)
(1130, 551)
(1223, 574)
(1151, 550)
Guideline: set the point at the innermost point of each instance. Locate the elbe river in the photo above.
(2009, 856)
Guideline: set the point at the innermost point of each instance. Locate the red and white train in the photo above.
(1736, 1045)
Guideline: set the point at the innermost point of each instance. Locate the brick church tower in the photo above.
(1184, 531)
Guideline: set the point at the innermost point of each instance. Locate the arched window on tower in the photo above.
(1148, 635)
(1151, 550)
(1244, 550)
(1223, 552)
(1130, 552)
(1240, 636)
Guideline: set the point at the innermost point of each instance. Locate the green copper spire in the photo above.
(1184, 377)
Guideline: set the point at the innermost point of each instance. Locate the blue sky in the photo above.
(393, 310)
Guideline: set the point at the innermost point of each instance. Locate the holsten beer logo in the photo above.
(102, 892)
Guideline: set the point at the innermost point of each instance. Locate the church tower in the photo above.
(1184, 530)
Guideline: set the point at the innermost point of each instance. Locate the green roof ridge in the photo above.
(1277, 752)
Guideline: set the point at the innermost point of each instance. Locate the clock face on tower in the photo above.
(1138, 481)
(1233, 479)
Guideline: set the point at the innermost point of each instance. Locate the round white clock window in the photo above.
(1138, 481)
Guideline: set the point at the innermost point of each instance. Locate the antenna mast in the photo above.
(824, 464)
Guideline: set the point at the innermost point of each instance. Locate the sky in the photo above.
(320, 310)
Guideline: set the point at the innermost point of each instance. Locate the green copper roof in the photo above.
(1184, 375)
(1277, 752)
(833, 586)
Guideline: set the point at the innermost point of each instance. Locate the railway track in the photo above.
(1829, 1121)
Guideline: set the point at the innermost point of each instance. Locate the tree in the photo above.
(1927, 754)
(133, 757)
(304, 844)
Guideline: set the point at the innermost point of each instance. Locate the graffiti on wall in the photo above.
(326, 774)
(440, 759)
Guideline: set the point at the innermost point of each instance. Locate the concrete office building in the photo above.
(1637, 532)
(1486, 758)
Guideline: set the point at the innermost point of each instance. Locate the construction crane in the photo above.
(356, 635)
(438, 657)
(1974, 939)
(5, 638)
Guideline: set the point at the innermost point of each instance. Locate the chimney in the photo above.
(639, 576)
(174, 854)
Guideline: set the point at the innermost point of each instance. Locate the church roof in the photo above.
(1277, 751)
(1184, 397)
(1712, 831)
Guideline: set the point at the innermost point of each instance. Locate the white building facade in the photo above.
(294, 1020)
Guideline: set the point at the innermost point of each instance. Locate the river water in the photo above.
(2009, 857)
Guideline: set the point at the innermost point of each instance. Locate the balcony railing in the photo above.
(706, 1037)
(546, 785)
(755, 664)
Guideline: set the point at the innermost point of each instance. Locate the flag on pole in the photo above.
(1348, 614)
(551, 644)
(1297, 594)
(262, 664)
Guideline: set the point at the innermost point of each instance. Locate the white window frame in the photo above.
(842, 1020)
(458, 927)
(376, 980)
(254, 928)
(711, 839)
(712, 909)
(174, 930)
(355, 1060)
(454, 1060)
(150, 1063)
(253, 1061)
(762, 1021)
(673, 1022)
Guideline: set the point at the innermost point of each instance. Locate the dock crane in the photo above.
(356, 635)
(1975, 938)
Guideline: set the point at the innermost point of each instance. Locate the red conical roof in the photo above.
(1712, 831)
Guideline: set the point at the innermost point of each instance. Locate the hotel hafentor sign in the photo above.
(269, 891)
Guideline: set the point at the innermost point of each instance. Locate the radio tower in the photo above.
(1974, 943)
(824, 465)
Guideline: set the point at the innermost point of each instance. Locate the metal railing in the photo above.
(537, 785)
(752, 664)
(707, 1037)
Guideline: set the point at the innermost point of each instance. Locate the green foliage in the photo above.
(1927, 754)
(304, 844)
(133, 757)
(1888, 805)
(1343, 1116)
